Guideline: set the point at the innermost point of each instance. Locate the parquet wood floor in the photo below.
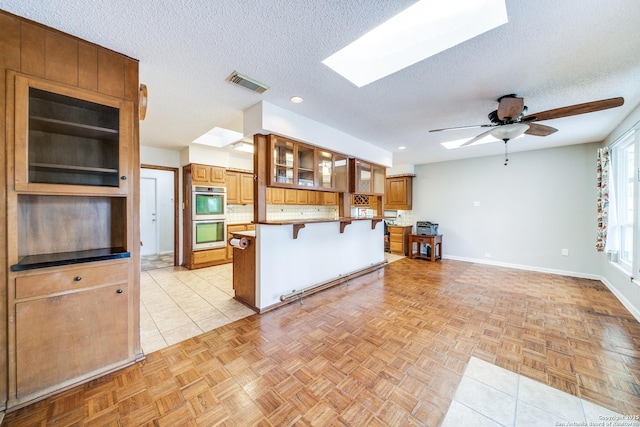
(389, 349)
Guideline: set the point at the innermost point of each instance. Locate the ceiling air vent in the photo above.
(246, 82)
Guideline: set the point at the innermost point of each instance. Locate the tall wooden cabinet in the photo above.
(70, 278)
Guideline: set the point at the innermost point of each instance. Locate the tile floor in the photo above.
(152, 262)
(491, 396)
(177, 304)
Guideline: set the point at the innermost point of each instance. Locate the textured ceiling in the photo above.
(552, 52)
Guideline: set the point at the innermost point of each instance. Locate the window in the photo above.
(622, 224)
(626, 181)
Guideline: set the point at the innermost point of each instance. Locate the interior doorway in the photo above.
(158, 217)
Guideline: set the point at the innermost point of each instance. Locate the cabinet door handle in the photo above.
(124, 178)
(77, 278)
(119, 291)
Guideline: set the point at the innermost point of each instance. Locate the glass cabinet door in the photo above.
(341, 173)
(378, 174)
(282, 161)
(363, 177)
(325, 169)
(305, 166)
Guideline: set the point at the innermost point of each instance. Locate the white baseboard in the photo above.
(625, 302)
(525, 267)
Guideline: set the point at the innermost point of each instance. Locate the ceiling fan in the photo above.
(509, 120)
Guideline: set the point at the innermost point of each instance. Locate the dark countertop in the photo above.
(32, 262)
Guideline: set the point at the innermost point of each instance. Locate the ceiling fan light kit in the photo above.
(509, 122)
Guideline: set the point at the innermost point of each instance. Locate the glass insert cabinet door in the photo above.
(368, 178)
(305, 166)
(333, 171)
(325, 169)
(363, 177)
(282, 161)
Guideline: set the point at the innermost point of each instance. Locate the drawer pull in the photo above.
(77, 278)
(119, 291)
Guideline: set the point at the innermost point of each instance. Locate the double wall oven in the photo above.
(208, 214)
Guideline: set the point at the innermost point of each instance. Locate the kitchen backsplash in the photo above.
(288, 212)
(402, 218)
(244, 213)
(239, 213)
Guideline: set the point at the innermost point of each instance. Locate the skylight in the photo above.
(218, 137)
(420, 31)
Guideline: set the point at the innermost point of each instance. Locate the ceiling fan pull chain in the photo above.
(506, 153)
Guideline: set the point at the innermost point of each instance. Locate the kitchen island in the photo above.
(296, 258)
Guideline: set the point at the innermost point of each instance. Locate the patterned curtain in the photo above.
(603, 169)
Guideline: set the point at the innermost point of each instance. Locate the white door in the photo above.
(148, 217)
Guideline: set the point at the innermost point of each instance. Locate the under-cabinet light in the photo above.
(420, 31)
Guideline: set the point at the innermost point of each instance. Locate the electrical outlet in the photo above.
(565, 252)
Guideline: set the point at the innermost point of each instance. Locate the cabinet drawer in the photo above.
(202, 257)
(70, 279)
(396, 237)
(396, 247)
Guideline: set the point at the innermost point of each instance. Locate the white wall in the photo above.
(223, 157)
(266, 118)
(159, 157)
(320, 253)
(542, 202)
(626, 289)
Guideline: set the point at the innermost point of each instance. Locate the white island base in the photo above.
(321, 252)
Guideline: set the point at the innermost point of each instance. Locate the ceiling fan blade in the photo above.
(477, 138)
(537, 129)
(510, 108)
(576, 109)
(461, 127)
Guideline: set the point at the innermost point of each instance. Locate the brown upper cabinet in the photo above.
(398, 192)
(239, 187)
(207, 175)
(297, 165)
(70, 137)
(367, 178)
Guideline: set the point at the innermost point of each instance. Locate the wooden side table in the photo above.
(434, 241)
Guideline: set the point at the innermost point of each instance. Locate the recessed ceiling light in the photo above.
(296, 99)
(420, 31)
(401, 148)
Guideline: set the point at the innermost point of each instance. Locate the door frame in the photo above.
(176, 220)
